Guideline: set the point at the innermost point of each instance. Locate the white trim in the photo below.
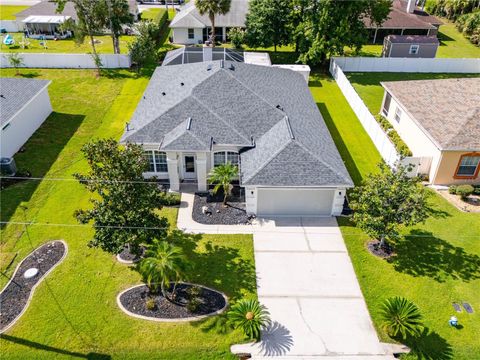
(188, 319)
(37, 283)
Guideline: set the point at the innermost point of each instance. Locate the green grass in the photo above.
(73, 312)
(7, 12)
(152, 13)
(369, 89)
(104, 46)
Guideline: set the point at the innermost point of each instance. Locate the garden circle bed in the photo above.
(133, 302)
(382, 252)
(127, 257)
(16, 295)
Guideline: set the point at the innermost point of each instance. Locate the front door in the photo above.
(189, 167)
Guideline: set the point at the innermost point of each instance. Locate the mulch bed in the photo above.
(232, 214)
(129, 257)
(134, 300)
(14, 297)
(384, 252)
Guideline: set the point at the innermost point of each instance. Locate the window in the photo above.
(157, 161)
(386, 104)
(222, 157)
(191, 33)
(468, 166)
(398, 114)
(414, 49)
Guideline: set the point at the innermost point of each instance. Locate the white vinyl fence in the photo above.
(68, 61)
(421, 65)
(10, 25)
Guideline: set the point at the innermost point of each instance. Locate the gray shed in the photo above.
(410, 46)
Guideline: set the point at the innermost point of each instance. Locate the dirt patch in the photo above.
(383, 252)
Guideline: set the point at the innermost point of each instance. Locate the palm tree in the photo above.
(211, 8)
(249, 315)
(222, 176)
(163, 264)
(401, 316)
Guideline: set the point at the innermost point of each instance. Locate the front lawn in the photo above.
(73, 312)
(7, 12)
(104, 45)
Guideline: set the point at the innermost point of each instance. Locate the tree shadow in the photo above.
(30, 75)
(422, 254)
(38, 155)
(276, 340)
(341, 146)
(38, 346)
(429, 346)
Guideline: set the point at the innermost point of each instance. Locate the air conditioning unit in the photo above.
(7, 166)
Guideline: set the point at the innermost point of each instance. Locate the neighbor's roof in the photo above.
(48, 8)
(189, 17)
(46, 19)
(399, 18)
(412, 39)
(15, 94)
(447, 110)
(267, 111)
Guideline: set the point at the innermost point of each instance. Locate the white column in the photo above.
(202, 171)
(224, 35)
(172, 164)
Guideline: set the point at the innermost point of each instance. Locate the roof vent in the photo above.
(209, 67)
(290, 132)
(182, 84)
(279, 107)
(2, 96)
(222, 64)
(127, 126)
(164, 93)
(231, 67)
(189, 123)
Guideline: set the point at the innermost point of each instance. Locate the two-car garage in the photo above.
(283, 201)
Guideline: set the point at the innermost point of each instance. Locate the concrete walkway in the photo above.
(307, 282)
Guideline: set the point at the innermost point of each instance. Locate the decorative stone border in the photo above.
(188, 319)
(36, 284)
(128, 262)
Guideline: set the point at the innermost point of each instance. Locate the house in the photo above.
(410, 46)
(405, 18)
(189, 27)
(25, 105)
(196, 116)
(43, 21)
(439, 120)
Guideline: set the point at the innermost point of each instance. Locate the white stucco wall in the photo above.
(180, 36)
(25, 123)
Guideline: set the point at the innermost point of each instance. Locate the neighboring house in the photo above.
(189, 27)
(24, 105)
(196, 116)
(439, 120)
(405, 18)
(410, 46)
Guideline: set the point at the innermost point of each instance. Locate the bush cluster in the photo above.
(170, 199)
(464, 191)
(392, 134)
(469, 26)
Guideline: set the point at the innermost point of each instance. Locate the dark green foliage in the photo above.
(401, 317)
(451, 9)
(193, 304)
(392, 134)
(469, 25)
(250, 316)
(124, 205)
(143, 48)
(237, 37)
(150, 304)
(387, 200)
(116, 16)
(170, 199)
(464, 191)
(161, 19)
(268, 23)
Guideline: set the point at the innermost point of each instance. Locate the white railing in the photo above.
(419, 65)
(68, 61)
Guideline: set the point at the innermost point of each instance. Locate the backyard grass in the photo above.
(152, 13)
(104, 46)
(7, 12)
(73, 312)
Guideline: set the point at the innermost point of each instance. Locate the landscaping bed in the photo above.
(127, 257)
(218, 214)
(15, 296)
(134, 302)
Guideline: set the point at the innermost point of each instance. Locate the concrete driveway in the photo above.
(307, 282)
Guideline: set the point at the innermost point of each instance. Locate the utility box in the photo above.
(7, 166)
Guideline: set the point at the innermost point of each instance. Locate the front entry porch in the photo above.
(187, 169)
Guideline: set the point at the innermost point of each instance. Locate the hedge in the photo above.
(161, 19)
(392, 134)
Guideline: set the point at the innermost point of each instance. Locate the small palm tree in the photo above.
(249, 315)
(163, 264)
(212, 8)
(401, 316)
(15, 61)
(222, 176)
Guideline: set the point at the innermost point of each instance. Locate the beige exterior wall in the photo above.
(448, 167)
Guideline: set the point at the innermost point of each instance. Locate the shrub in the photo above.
(150, 304)
(170, 199)
(250, 316)
(401, 316)
(464, 191)
(452, 189)
(194, 291)
(237, 37)
(392, 134)
(193, 304)
(161, 18)
(469, 25)
(476, 189)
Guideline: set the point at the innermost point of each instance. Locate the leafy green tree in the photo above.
(117, 15)
(329, 26)
(16, 61)
(250, 316)
(124, 204)
(268, 23)
(451, 9)
(212, 8)
(402, 317)
(222, 177)
(469, 25)
(163, 264)
(143, 49)
(237, 37)
(387, 200)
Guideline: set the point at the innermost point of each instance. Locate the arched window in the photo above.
(157, 161)
(222, 157)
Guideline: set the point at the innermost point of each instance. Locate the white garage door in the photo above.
(294, 202)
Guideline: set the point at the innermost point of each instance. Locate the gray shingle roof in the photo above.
(189, 17)
(267, 111)
(48, 8)
(15, 93)
(448, 110)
